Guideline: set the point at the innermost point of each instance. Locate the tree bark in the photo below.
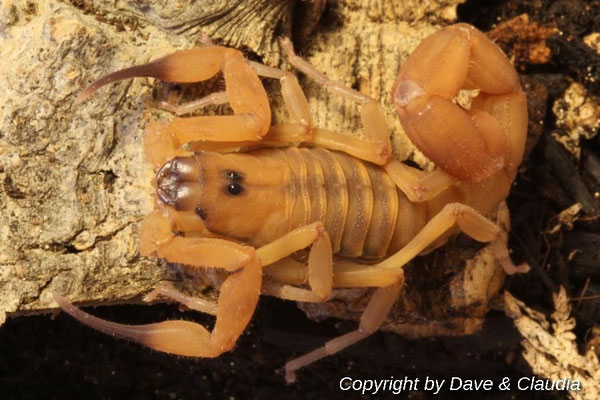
(75, 182)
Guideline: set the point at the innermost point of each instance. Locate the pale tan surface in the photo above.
(75, 184)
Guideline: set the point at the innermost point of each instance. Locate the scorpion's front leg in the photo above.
(243, 90)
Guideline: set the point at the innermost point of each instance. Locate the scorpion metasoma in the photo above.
(246, 212)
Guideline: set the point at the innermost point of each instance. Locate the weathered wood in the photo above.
(75, 183)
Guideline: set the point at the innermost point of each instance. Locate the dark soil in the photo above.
(41, 357)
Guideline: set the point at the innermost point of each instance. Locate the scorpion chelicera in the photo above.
(247, 212)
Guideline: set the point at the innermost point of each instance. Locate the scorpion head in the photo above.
(177, 183)
(236, 195)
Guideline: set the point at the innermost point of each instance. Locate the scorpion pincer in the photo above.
(246, 212)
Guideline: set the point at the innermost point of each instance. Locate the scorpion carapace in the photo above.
(246, 213)
(239, 196)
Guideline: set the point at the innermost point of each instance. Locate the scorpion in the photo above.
(246, 212)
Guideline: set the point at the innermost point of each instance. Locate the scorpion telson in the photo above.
(247, 213)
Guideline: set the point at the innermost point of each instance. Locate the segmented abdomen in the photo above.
(361, 208)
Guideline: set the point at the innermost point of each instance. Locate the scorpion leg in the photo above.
(320, 261)
(238, 294)
(299, 130)
(237, 300)
(247, 98)
(375, 146)
(293, 95)
(215, 98)
(372, 318)
(418, 185)
(283, 279)
(377, 153)
(319, 77)
(500, 244)
(469, 221)
(345, 274)
(356, 275)
(191, 302)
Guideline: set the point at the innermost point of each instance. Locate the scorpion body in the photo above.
(246, 213)
(365, 214)
(362, 210)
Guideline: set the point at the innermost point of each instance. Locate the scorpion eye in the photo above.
(234, 175)
(235, 188)
(200, 212)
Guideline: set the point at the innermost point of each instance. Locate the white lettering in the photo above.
(368, 385)
(487, 384)
(378, 385)
(429, 384)
(538, 384)
(346, 378)
(455, 383)
(439, 387)
(575, 385)
(525, 381)
(397, 388)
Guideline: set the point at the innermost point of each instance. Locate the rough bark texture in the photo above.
(74, 186)
(75, 181)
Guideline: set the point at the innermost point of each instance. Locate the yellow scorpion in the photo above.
(247, 212)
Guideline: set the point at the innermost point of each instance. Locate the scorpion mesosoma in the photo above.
(247, 212)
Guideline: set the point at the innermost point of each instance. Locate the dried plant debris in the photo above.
(593, 341)
(551, 349)
(526, 38)
(566, 218)
(593, 41)
(577, 117)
